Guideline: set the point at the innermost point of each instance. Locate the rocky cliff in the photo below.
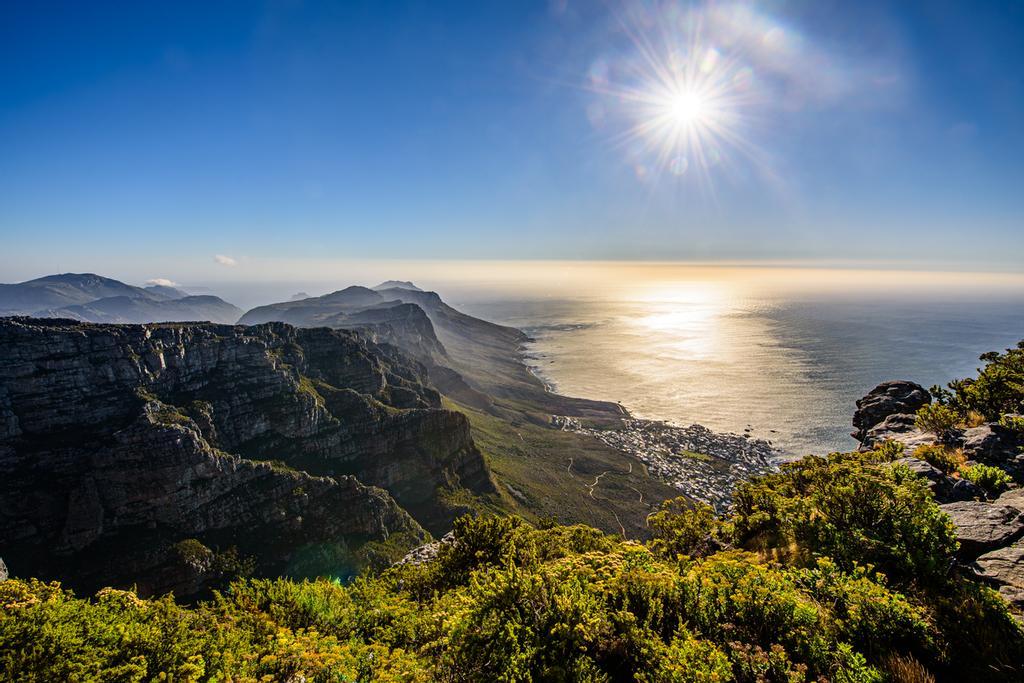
(165, 455)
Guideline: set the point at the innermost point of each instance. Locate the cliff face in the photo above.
(119, 443)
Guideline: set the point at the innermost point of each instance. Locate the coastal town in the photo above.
(703, 465)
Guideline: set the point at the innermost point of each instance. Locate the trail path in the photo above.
(640, 492)
(597, 479)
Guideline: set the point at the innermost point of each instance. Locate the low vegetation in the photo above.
(992, 479)
(996, 394)
(834, 569)
(948, 460)
(937, 418)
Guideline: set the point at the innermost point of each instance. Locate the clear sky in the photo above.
(216, 137)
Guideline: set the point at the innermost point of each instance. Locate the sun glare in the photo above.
(681, 93)
(686, 108)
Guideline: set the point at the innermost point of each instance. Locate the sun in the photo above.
(687, 108)
(680, 97)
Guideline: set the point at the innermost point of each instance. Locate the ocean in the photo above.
(781, 353)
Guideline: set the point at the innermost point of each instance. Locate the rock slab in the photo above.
(1004, 568)
(982, 527)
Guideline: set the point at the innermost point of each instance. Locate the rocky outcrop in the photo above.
(1014, 498)
(994, 444)
(404, 326)
(428, 551)
(981, 526)
(887, 400)
(989, 532)
(119, 442)
(897, 427)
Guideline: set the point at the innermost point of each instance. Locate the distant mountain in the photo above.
(166, 292)
(397, 284)
(469, 359)
(315, 310)
(298, 296)
(57, 291)
(125, 309)
(92, 298)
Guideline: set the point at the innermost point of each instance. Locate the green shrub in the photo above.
(941, 457)
(936, 418)
(997, 390)
(852, 509)
(1013, 422)
(680, 528)
(687, 659)
(992, 479)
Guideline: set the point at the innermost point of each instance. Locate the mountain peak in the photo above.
(397, 284)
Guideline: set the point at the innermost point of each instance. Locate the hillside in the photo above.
(542, 470)
(898, 562)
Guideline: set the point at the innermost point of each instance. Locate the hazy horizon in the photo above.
(473, 281)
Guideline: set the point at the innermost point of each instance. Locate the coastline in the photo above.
(702, 464)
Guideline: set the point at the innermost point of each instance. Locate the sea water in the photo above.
(751, 354)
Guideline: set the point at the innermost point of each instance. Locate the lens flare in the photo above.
(680, 95)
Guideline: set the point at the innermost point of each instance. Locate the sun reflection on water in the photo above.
(685, 317)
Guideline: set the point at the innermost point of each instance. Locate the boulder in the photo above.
(4, 575)
(888, 398)
(1004, 569)
(922, 469)
(991, 444)
(981, 527)
(898, 427)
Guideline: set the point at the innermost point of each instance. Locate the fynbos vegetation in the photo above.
(834, 569)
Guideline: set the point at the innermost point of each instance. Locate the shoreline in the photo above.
(702, 464)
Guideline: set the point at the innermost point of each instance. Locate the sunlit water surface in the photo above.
(787, 363)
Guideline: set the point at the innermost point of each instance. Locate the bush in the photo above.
(1013, 422)
(992, 479)
(998, 388)
(941, 457)
(936, 418)
(680, 528)
(852, 509)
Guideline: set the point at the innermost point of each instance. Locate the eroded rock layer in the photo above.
(145, 453)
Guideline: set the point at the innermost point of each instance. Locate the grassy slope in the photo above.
(531, 466)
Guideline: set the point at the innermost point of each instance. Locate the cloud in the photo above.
(225, 260)
(161, 282)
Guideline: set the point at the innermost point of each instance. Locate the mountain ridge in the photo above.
(95, 298)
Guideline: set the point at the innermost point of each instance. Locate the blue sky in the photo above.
(133, 133)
